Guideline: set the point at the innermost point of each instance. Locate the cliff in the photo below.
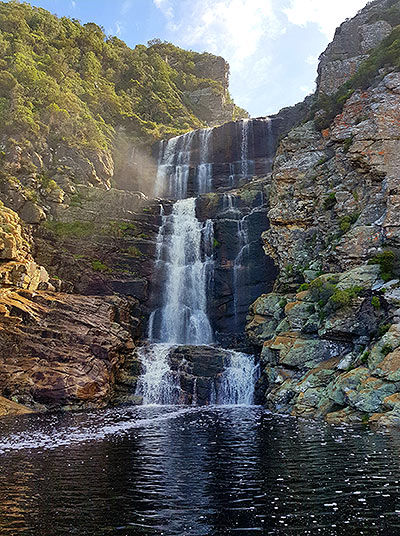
(329, 332)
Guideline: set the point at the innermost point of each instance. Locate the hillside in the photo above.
(70, 96)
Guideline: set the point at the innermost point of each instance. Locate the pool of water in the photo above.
(195, 471)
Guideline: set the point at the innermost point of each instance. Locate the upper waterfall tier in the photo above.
(204, 160)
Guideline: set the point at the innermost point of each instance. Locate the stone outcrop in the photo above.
(8, 408)
(353, 41)
(59, 350)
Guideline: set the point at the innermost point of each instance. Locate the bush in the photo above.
(347, 221)
(365, 357)
(133, 251)
(383, 328)
(344, 298)
(376, 302)
(386, 349)
(386, 261)
(330, 201)
(98, 266)
(75, 229)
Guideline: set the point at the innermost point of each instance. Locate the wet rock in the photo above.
(9, 407)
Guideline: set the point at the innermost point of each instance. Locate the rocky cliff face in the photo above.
(329, 331)
(56, 349)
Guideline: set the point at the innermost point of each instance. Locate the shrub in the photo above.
(376, 302)
(133, 251)
(386, 261)
(383, 328)
(386, 349)
(303, 287)
(364, 357)
(343, 298)
(74, 229)
(98, 266)
(330, 201)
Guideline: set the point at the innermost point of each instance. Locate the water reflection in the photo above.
(194, 471)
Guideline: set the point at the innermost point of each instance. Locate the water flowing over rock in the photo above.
(184, 262)
(204, 160)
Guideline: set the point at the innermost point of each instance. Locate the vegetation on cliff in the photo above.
(70, 83)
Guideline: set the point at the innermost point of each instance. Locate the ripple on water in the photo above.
(195, 471)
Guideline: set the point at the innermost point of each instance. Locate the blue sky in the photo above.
(271, 45)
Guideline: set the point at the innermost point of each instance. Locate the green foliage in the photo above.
(282, 303)
(98, 266)
(330, 201)
(216, 244)
(347, 221)
(386, 261)
(133, 251)
(376, 302)
(303, 287)
(383, 328)
(119, 229)
(386, 349)
(75, 229)
(344, 297)
(74, 85)
(365, 357)
(347, 144)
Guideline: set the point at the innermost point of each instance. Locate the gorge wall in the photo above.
(329, 332)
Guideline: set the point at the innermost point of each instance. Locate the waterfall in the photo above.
(247, 164)
(184, 260)
(157, 384)
(174, 167)
(205, 167)
(239, 265)
(237, 382)
(184, 269)
(174, 163)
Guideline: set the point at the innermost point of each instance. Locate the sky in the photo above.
(272, 46)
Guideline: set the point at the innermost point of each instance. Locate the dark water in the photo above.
(215, 471)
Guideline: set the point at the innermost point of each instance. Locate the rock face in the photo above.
(328, 334)
(61, 350)
(352, 43)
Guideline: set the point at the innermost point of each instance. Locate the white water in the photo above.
(157, 384)
(237, 383)
(184, 247)
(174, 167)
(205, 167)
(184, 266)
(174, 161)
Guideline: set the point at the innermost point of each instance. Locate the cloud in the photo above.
(326, 14)
(231, 28)
(166, 7)
(73, 4)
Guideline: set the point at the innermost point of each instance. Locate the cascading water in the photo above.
(174, 167)
(184, 259)
(204, 170)
(184, 268)
(237, 382)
